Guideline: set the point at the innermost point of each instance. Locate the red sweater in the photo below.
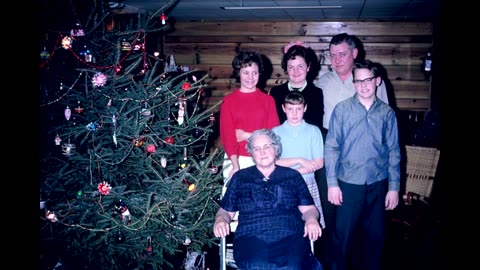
(247, 111)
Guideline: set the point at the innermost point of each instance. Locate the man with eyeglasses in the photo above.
(362, 161)
(337, 85)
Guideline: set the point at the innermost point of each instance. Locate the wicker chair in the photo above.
(415, 210)
(421, 168)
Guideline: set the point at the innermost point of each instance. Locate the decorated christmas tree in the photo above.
(130, 178)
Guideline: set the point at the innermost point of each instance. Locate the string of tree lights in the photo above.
(130, 177)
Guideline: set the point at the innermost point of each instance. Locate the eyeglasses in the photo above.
(367, 80)
(265, 148)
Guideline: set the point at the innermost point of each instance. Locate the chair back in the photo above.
(421, 168)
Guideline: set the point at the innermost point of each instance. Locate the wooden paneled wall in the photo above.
(397, 46)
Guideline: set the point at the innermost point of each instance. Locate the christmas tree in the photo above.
(129, 175)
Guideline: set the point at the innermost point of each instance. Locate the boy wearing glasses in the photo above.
(362, 161)
(337, 85)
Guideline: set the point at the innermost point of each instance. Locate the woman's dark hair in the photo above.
(293, 52)
(245, 59)
(306, 53)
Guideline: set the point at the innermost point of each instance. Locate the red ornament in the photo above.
(169, 140)
(150, 148)
(164, 18)
(186, 86)
(79, 108)
(104, 188)
(118, 69)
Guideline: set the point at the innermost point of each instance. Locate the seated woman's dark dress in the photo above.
(270, 226)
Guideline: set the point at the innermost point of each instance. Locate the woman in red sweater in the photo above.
(243, 111)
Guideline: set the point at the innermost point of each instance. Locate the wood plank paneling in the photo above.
(297, 28)
(211, 46)
(396, 72)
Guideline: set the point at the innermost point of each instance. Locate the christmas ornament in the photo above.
(125, 45)
(186, 86)
(146, 112)
(79, 193)
(163, 162)
(77, 31)
(139, 141)
(99, 79)
(149, 246)
(87, 54)
(173, 215)
(171, 66)
(169, 140)
(104, 188)
(67, 43)
(211, 119)
(114, 138)
(139, 45)
(163, 18)
(150, 148)
(42, 204)
(44, 54)
(92, 126)
(187, 241)
(190, 186)
(185, 153)
(120, 237)
(213, 169)
(118, 70)
(181, 111)
(51, 216)
(122, 209)
(57, 140)
(67, 148)
(67, 113)
(79, 108)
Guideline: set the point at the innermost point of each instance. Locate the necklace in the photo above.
(299, 89)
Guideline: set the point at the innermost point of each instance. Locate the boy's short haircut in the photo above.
(294, 98)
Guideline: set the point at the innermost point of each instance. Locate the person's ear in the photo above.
(305, 109)
(283, 108)
(355, 53)
(378, 81)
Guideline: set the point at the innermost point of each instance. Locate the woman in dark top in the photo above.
(298, 60)
(277, 215)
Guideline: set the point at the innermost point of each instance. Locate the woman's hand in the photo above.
(221, 228)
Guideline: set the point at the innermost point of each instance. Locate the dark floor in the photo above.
(412, 244)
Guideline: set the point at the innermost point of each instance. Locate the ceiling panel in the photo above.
(358, 10)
